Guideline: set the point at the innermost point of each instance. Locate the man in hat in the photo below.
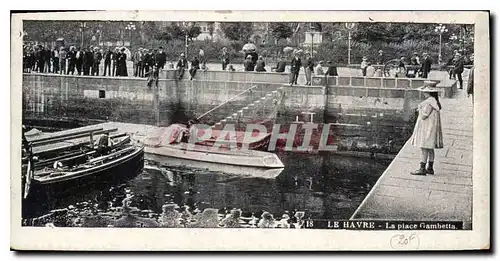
(458, 68)
(97, 61)
(181, 65)
(364, 64)
(260, 66)
(114, 58)
(380, 58)
(146, 61)
(280, 66)
(415, 60)
(248, 64)
(426, 65)
(332, 69)
(107, 62)
(401, 68)
(62, 60)
(470, 82)
(319, 69)
(161, 58)
(295, 69)
(195, 66)
(55, 60)
(309, 68)
(224, 58)
(137, 59)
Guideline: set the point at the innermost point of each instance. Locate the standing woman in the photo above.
(428, 134)
(122, 64)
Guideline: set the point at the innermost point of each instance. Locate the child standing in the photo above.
(428, 134)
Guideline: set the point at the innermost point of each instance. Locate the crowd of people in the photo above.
(148, 62)
(87, 61)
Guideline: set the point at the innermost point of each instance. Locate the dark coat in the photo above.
(470, 83)
(107, 56)
(249, 65)
(195, 64)
(122, 65)
(280, 67)
(332, 71)
(458, 66)
(426, 65)
(182, 63)
(161, 59)
(296, 64)
(260, 66)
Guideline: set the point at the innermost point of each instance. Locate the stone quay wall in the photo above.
(373, 110)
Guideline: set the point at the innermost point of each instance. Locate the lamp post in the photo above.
(130, 27)
(186, 26)
(349, 27)
(82, 29)
(440, 29)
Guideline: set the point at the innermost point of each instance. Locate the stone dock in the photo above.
(445, 196)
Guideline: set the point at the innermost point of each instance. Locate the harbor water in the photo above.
(323, 186)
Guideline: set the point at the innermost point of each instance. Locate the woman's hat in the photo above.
(364, 58)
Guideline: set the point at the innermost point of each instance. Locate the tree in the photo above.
(211, 27)
(237, 31)
(281, 30)
(179, 32)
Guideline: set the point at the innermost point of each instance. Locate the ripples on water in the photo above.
(324, 186)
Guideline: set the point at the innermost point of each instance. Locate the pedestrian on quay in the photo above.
(426, 65)
(195, 66)
(309, 68)
(121, 69)
(380, 58)
(363, 66)
(71, 60)
(55, 60)
(153, 75)
(97, 61)
(114, 59)
(428, 134)
(248, 64)
(401, 68)
(230, 68)
(161, 58)
(470, 81)
(415, 60)
(332, 69)
(62, 60)
(48, 59)
(137, 60)
(146, 61)
(79, 60)
(181, 66)
(260, 66)
(319, 69)
(224, 58)
(107, 62)
(295, 69)
(280, 66)
(458, 68)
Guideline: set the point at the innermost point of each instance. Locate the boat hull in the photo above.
(237, 157)
(117, 172)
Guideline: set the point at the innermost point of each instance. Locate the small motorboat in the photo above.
(219, 155)
(172, 143)
(76, 168)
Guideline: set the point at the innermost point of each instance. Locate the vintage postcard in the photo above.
(250, 130)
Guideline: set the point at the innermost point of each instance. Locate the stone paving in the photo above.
(445, 196)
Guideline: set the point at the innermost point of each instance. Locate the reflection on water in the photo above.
(321, 185)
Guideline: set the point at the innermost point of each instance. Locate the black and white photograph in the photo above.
(239, 125)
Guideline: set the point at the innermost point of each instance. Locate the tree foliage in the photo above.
(237, 31)
(281, 30)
